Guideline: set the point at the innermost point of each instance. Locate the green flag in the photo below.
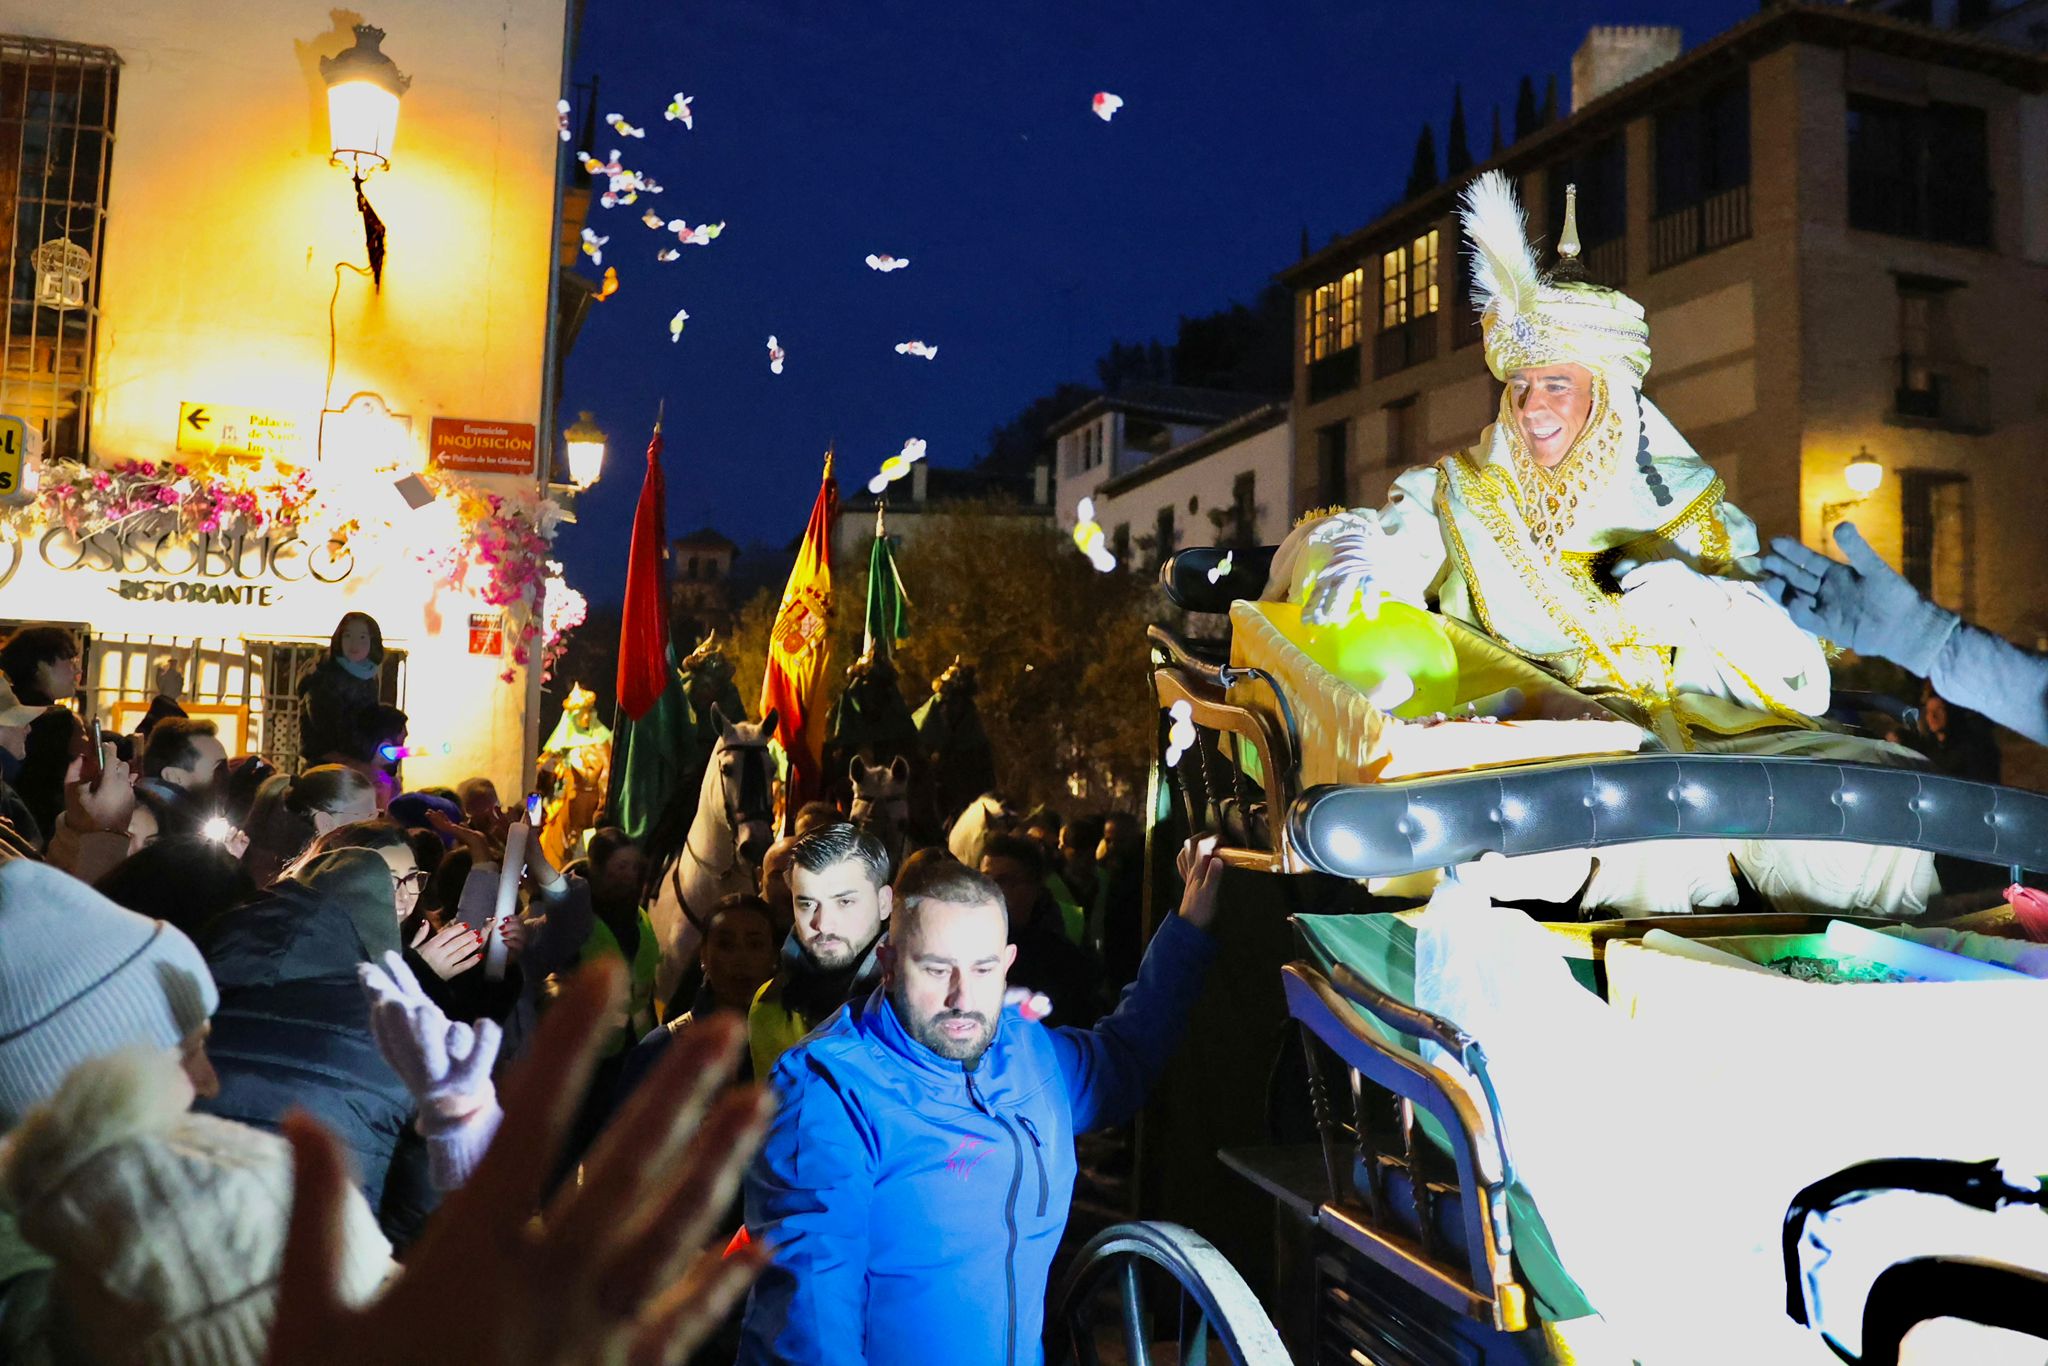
(888, 618)
(652, 758)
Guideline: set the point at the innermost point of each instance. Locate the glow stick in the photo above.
(495, 956)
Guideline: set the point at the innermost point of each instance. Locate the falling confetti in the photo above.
(1106, 105)
(1223, 567)
(652, 220)
(885, 264)
(675, 324)
(596, 167)
(627, 130)
(699, 236)
(775, 355)
(610, 286)
(562, 118)
(679, 111)
(917, 348)
(898, 465)
(1180, 736)
(612, 198)
(1089, 538)
(667, 254)
(593, 246)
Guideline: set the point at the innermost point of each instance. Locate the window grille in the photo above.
(56, 145)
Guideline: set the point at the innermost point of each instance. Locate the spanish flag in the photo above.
(799, 649)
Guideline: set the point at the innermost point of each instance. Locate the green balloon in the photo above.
(1374, 651)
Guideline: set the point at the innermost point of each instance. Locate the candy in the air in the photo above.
(1222, 568)
(1105, 105)
(679, 110)
(898, 465)
(1180, 736)
(675, 324)
(887, 263)
(775, 355)
(698, 236)
(562, 118)
(667, 254)
(613, 198)
(623, 128)
(596, 167)
(917, 348)
(593, 246)
(1088, 537)
(610, 285)
(652, 219)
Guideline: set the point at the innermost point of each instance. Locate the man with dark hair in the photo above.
(180, 765)
(839, 880)
(916, 1177)
(41, 662)
(814, 815)
(1048, 958)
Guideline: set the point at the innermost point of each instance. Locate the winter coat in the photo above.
(912, 1203)
(293, 1028)
(330, 697)
(800, 996)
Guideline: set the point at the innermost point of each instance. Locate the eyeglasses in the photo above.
(415, 881)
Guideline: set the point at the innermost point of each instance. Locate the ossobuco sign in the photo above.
(170, 564)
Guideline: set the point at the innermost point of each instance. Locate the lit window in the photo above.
(1408, 285)
(1334, 320)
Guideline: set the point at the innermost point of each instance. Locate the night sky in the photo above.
(960, 136)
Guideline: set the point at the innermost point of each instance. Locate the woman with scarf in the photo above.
(340, 688)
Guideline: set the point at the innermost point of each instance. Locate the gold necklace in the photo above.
(1550, 498)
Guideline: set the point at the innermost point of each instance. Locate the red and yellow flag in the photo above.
(799, 649)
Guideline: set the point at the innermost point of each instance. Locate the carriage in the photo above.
(1326, 1133)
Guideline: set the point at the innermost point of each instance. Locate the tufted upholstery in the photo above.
(1386, 829)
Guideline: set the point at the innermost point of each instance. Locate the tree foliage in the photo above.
(1058, 648)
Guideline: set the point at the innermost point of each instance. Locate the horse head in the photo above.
(881, 797)
(746, 774)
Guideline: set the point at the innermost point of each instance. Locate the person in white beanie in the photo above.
(166, 1228)
(80, 978)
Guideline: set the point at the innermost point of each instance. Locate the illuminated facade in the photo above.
(189, 286)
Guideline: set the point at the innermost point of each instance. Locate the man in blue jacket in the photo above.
(915, 1183)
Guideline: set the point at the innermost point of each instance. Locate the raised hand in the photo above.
(446, 1064)
(616, 1270)
(1864, 604)
(103, 803)
(453, 950)
(1201, 873)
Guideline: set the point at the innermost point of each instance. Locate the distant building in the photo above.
(701, 593)
(1171, 467)
(928, 492)
(1835, 219)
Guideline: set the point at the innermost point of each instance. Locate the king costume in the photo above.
(1621, 570)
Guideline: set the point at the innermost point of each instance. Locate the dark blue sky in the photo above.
(960, 136)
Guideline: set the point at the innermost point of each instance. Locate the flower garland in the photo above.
(510, 538)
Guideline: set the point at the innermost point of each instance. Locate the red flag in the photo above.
(643, 628)
(799, 648)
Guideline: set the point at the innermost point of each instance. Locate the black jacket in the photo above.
(293, 1028)
(330, 698)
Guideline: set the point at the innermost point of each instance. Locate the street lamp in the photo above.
(585, 444)
(363, 87)
(1863, 475)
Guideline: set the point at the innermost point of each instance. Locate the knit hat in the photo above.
(167, 1228)
(80, 977)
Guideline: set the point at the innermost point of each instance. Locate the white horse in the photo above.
(734, 825)
(881, 804)
(986, 815)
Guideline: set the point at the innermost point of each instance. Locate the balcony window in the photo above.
(1334, 319)
(1408, 282)
(56, 145)
(1920, 171)
(1934, 535)
(1702, 176)
(1933, 386)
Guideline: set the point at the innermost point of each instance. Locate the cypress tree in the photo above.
(1549, 115)
(1457, 154)
(1496, 134)
(1422, 176)
(1525, 110)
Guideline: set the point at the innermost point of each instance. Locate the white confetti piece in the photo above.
(699, 236)
(562, 118)
(775, 355)
(898, 465)
(679, 111)
(675, 324)
(1105, 105)
(1180, 736)
(1222, 569)
(917, 348)
(1088, 537)
(667, 254)
(885, 264)
(623, 128)
(593, 246)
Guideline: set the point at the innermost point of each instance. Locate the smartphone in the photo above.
(533, 809)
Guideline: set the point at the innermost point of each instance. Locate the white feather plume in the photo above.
(1504, 275)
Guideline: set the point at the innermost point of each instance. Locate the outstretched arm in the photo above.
(1868, 606)
(1108, 1069)
(1397, 551)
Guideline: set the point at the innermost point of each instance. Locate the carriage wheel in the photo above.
(1212, 1319)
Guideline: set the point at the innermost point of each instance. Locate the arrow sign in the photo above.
(197, 419)
(242, 433)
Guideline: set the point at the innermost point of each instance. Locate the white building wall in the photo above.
(1208, 484)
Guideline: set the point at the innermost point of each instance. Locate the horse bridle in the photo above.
(753, 783)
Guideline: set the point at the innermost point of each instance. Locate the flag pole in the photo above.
(660, 407)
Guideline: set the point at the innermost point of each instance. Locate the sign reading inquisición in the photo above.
(458, 443)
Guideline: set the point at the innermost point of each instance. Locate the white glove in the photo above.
(446, 1064)
(1671, 603)
(1356, 550)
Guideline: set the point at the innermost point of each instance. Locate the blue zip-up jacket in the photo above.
(914, 1206)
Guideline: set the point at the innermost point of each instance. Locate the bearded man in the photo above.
(1585, 534)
